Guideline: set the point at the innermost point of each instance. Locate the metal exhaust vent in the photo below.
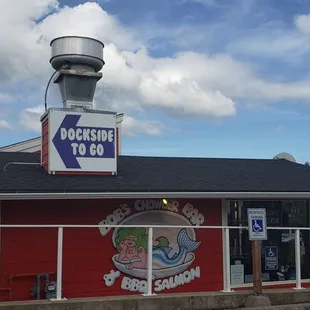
(78, 61)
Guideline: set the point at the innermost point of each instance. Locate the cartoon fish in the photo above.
(186, 245)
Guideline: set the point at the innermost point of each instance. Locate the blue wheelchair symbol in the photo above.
(257, 226)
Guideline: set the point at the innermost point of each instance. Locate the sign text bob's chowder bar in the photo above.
(166, 225)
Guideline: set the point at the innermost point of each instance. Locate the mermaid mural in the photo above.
(173, 247)
(131, 244)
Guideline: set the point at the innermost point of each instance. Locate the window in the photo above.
(282, 242)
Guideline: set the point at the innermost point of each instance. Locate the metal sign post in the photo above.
(257, 233)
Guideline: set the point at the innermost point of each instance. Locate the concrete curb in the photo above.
(282, 307)
(285, 299)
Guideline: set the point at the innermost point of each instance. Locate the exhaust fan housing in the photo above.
(78, 61)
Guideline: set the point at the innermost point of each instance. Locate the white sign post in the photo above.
(257, 224)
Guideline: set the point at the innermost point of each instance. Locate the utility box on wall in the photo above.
(79, 142)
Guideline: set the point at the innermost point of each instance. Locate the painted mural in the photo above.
(173, 248)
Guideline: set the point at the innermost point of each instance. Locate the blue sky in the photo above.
(215, 78)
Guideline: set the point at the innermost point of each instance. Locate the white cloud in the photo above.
(5, 125)
(21, 53)
(27, 52)
(275, 40)
(93, 21)
(302, 23)
(30, 118)
(272, 43)
(132, 127)
(188, 83)
(171, 83)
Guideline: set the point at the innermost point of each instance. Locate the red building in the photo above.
(200, 192)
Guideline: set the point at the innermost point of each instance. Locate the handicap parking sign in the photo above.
(271, 258)
(257, 224)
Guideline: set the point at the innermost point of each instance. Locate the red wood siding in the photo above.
(87, 254)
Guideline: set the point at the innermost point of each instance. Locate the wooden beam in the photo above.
(257, 267)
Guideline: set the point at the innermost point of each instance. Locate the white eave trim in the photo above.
(28, 146)
(148, 195)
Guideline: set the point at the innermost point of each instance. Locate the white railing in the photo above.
(149, 292)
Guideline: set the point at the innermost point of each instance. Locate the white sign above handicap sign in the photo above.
(257, 224)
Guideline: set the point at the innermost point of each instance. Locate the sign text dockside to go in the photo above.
(81, 138)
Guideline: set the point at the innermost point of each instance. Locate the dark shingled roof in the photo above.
(160, 174)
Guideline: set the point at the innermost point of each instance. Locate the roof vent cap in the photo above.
(285, 156)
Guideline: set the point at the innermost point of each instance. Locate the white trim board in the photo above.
(160, 195)
(28, 146)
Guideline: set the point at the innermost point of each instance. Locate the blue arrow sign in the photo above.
(72, 141)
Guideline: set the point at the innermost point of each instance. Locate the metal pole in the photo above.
(59, 263)
(297, 259)
(227, 261)
(149, 263)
